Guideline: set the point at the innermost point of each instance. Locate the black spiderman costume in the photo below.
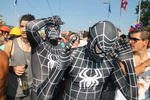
(85, 69)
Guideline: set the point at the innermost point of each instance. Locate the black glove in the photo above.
(123, 50)
(124, 54)
(65, 59)
(54, 21)
(57, 20)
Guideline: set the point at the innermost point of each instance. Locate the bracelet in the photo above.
(145, 64)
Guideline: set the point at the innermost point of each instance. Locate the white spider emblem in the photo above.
(88, 81)
(51, 61)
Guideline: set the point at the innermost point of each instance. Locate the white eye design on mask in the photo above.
(98, 50)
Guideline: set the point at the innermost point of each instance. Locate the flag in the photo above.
(124, 4)
(109, 9)
(15, 2)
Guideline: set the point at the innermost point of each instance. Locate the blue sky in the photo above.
(77, 14)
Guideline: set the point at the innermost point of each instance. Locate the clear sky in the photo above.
(77, 14)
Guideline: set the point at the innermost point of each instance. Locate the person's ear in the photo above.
(147, 42)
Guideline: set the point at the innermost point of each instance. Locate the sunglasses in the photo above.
(4, 32)
(134, 39)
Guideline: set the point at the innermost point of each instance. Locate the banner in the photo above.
(124, 4)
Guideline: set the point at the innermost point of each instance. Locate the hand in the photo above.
(124, 54)
(123, 50)
(19, 70)
(65, 55)
(64, 40)
(58, 20)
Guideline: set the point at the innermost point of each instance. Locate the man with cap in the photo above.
(5, 32)
(14, 33)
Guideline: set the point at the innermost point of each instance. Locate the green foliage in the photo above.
(1, 16)
(145, 13)
(2, 23)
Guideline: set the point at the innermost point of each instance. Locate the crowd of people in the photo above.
(103, 64)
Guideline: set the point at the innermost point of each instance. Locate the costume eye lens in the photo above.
(98, 50)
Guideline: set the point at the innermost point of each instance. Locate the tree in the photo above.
(1, 16)
(2, 23)
(145, 13)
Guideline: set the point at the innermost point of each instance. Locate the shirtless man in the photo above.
(4, 66)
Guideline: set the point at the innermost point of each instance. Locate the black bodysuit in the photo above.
(86, 69)
(44, 54)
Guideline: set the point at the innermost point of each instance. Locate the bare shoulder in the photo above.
(4, 66)
(9, 43)
(3, 55)
(8, 47)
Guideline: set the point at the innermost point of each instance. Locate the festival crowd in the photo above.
(39, 61)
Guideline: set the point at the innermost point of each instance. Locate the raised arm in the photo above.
(34, 26)
(127, 83)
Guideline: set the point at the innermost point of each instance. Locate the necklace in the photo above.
(24, 41)
(25, 47)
